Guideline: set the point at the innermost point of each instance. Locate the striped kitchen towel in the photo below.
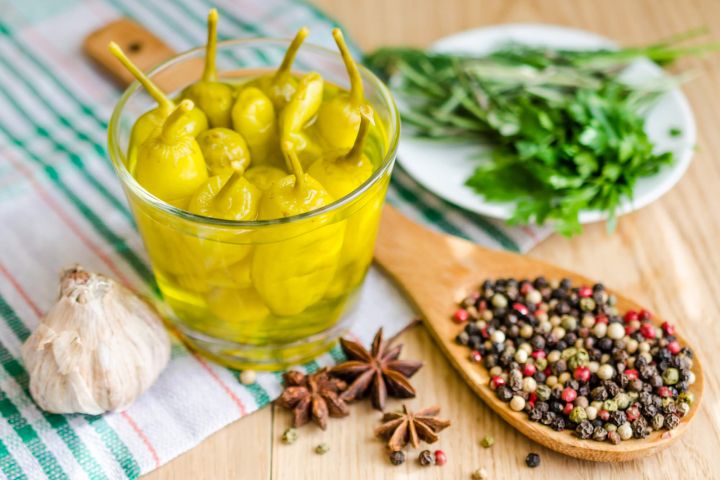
(60, 204)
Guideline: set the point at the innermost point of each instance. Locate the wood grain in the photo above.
(456, 266)
(666, 256)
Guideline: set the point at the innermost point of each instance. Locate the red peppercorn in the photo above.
(461, 315)
(476, 356)
(568, 408)
(539, 312)
(520, 308)
(647, 330)
(602, 318)
(547, 371)
(668, 328)
(526, 288)
(645, 315)
(569, 394)
(482, 306)
(629, 329)
(538, 354)
(631, 374)
(496, 382)
(664, 391)
(440, 458)
(532, 399)
(674, 347)
(529, 370)
(632, 413)
(630, 316)
(604, 415)
(484, 332)
(585, 292)
(582, 374)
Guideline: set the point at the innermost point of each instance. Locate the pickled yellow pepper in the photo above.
(294, 273)
(212, 97)
(170, 164)
(150, 121)
(280, 86)
(339, 118)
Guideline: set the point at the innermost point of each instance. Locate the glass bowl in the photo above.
(259, 294)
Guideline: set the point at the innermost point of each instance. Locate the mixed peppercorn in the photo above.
(567, 357)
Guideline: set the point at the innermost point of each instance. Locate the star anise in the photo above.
(314, 396)
(378, 371)
(401, 428)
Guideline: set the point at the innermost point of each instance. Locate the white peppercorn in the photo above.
(521, 356)
(625, 431)
(616, 331)
(499, 300)
(497, 336)
(592, 413)
(529, 384)
(605, 372)
(600, 330)
(517, 403)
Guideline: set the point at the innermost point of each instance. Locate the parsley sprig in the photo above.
(566, 127)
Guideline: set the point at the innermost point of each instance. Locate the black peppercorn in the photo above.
(599, 394)
(618, 417)
(426, 458)
(599, 434)
(532, 460)
(504, 393)
(548, 418)
(672, 421)
(397, 458)
(584, 430)
(559, 424)
(535, 415)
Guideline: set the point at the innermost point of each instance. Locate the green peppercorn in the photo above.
(623, 400)
(568, 353)
(687, 397)
(610, 405)
(487, 441)
(322, 449)
(543, 392)
(580, 359)
(578, 415)
(610, 427)
(658, 421)
(569, 323)
(541, 364)
(671, 376)
(587, 304)
(289, 436)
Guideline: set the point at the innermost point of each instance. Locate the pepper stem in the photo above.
(143, 79)
(294, 162)
(224, 192)
(357, 95)
(174, 126)
(209, 72)
(361, 139)
(291, 53)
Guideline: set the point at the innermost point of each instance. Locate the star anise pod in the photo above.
(401, 428)
(378, 371)
(315, 396)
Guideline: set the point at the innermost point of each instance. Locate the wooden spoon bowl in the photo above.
(437, 271)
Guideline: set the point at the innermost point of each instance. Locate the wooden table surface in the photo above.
(666, 256)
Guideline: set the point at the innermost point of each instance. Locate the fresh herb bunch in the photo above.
(567, 129)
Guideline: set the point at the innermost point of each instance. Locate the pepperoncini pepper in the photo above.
(212, 97)
(263, 176)
(338, 119)
(253, 116)
(225, 151)
(230, 197)
(294, 273)
(301, 108)
(150, 121)
(280, 86)
(341, 175)
(170, 164)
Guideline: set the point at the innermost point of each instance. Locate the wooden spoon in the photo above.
(437, 271)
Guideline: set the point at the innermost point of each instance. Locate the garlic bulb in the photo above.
(97, 349)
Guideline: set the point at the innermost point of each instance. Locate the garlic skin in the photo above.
(97, 349)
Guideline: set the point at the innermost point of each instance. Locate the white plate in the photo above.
(442, 167)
